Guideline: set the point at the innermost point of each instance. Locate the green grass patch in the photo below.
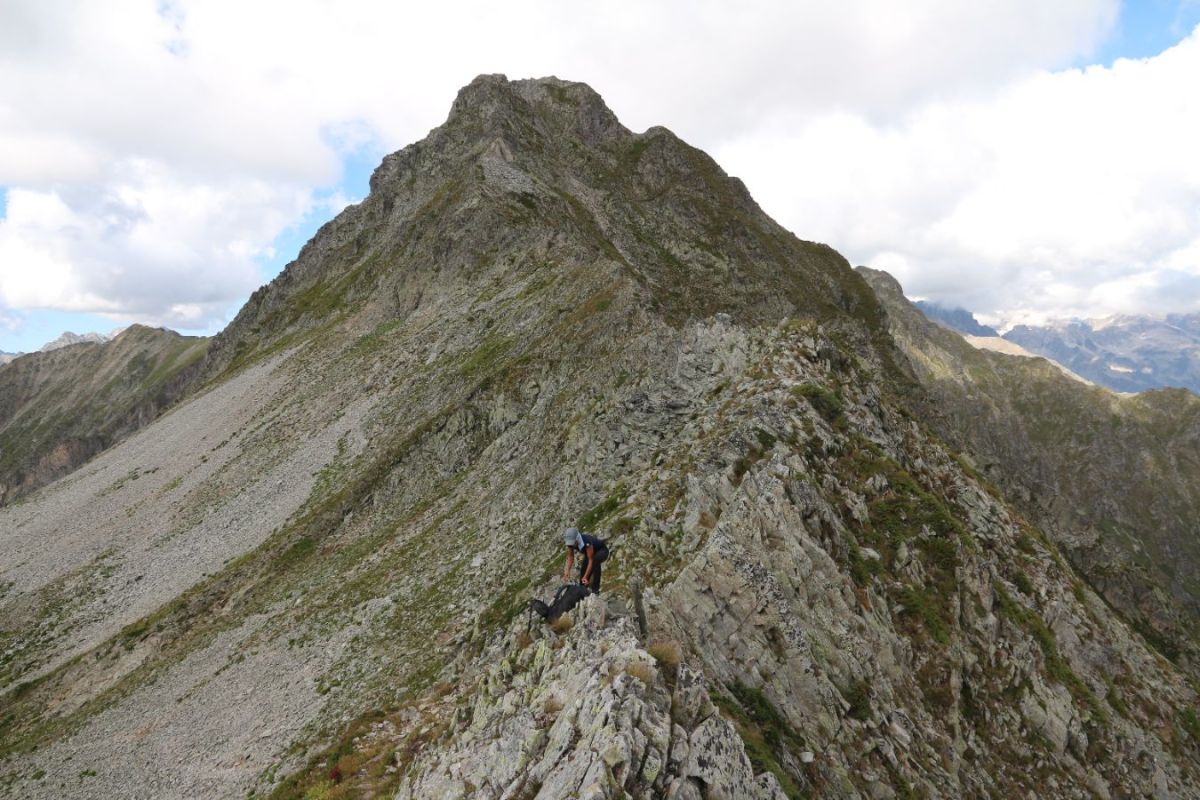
(924, 605)
(485, 356)
(858, 696)
(828, 404)
(764, 732)
(604, 509)
(1190, 724)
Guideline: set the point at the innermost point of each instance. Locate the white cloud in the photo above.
(1074, 192)
(155, 148)
(10, 322)
(141, 245)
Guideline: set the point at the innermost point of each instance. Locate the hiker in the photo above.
(593, 551)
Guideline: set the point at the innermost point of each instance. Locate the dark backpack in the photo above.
(566, 598)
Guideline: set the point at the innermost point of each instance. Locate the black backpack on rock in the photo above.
(566, 598)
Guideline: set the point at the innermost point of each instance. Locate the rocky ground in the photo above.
(588, 713)
(867, 614)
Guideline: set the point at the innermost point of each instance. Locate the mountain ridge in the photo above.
(63, 405)
(481, 117)
(310, 576)
(1030, 427)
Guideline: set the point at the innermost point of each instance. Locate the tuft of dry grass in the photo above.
(441, 689)
(667, 653)
(553, 705)
(523, 640)
(640, 670)
(562, 624)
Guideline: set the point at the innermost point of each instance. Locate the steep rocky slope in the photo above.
(1115, 480)
(308, 578)
(61, 406)
(866, 614)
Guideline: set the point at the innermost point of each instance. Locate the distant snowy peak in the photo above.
(68, 338)
(7, 357)
(1123, 352)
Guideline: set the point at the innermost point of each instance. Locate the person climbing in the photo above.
(593, 552)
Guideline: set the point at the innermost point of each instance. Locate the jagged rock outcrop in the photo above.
(66, 403)
(307, 579)
(589, 714)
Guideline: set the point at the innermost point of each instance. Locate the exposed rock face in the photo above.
(538, 318)
(1115, 480)
(590, 714)
(61, 406)
(873, 620)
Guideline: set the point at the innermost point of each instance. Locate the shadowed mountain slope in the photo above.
(308, 580)
(1115, 480)
(60, 407)
(959, 319)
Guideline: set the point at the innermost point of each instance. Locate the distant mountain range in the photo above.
(62, 405)
(69, 338)
(66, 339)
(959, 319)
(1123, 353)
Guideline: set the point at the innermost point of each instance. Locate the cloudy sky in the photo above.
(159, 159)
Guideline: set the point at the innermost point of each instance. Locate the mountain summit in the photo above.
(529, 173)
(310, 577)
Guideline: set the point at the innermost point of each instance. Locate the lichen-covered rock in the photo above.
(588, 715)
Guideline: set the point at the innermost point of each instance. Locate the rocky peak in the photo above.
(69, 338)
(535, 172)
(563, 107)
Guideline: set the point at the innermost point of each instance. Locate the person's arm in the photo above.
(591, 559)
(570, 564)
